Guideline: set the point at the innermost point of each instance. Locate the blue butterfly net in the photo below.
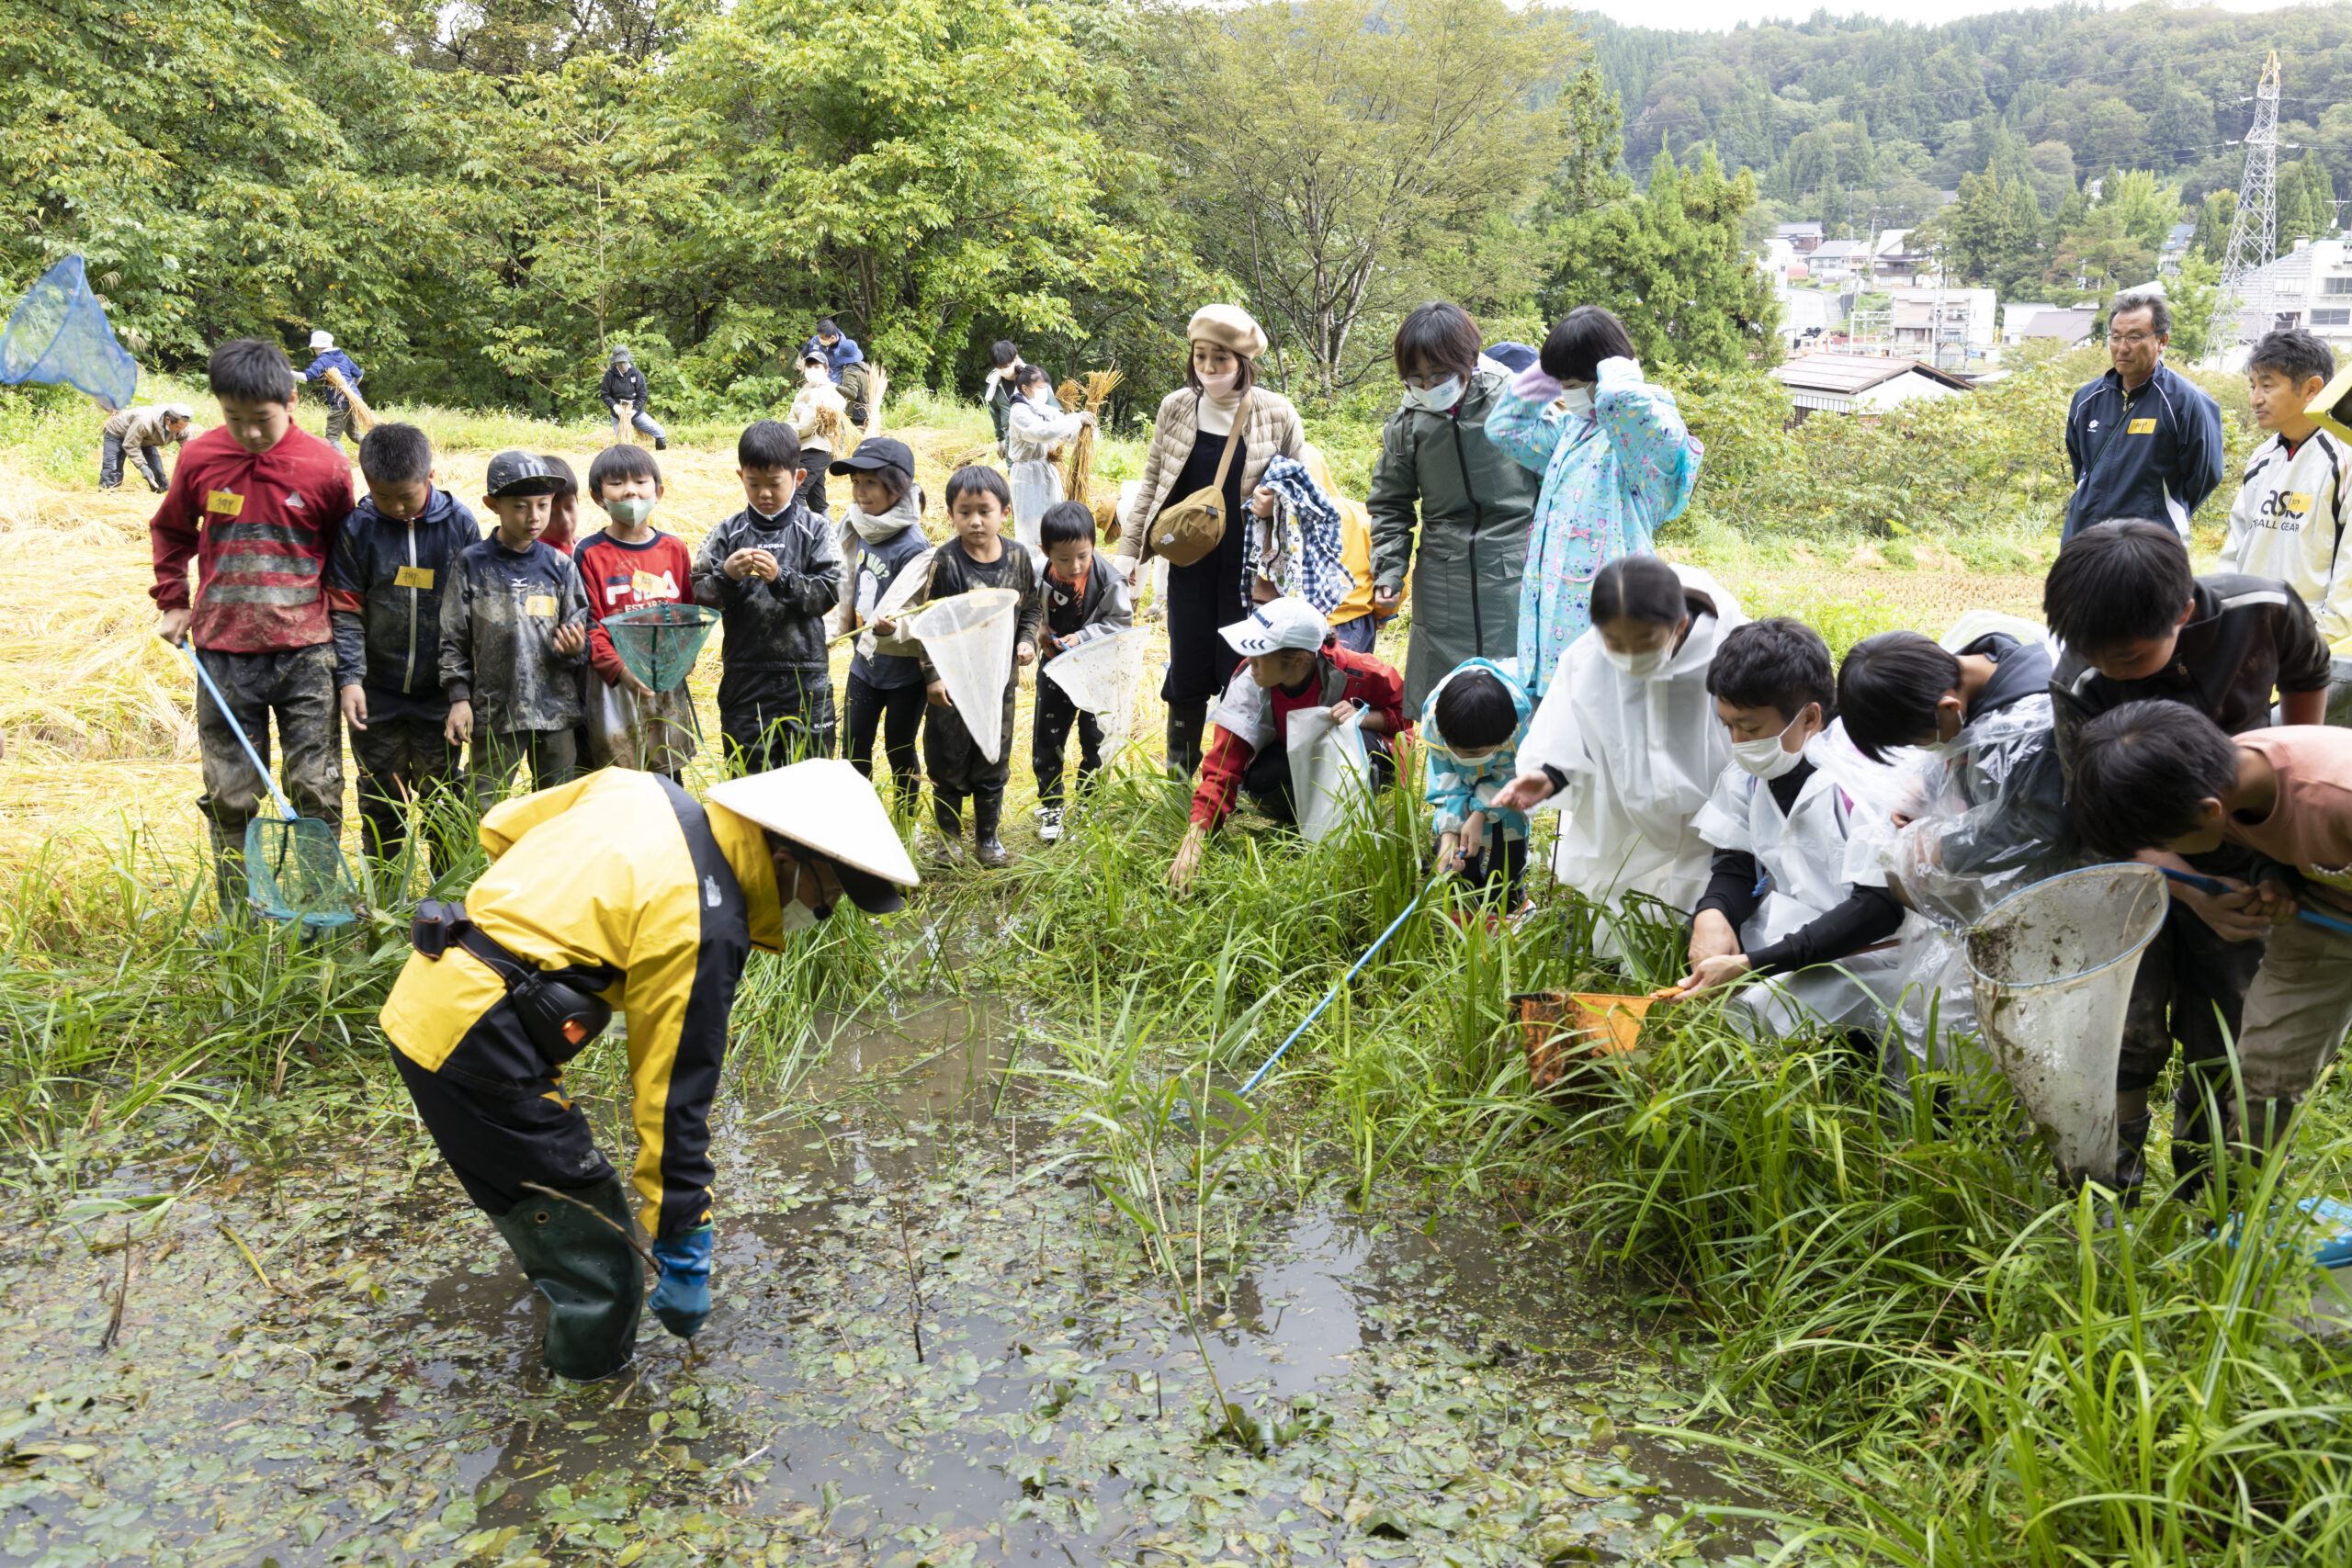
(59, 333)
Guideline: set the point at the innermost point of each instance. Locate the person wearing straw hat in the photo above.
(618, 889)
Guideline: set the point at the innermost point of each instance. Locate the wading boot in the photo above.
(590, 1276)
(988, 811)
(1186, 721)
(2131, 1160)
(948, 817)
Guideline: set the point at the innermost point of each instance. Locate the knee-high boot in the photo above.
(1187, 723)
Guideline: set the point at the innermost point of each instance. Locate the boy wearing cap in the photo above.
(617, 879)
(772, 572)
(338, 406)
(623, 389)
(514, 639)
(1291, 662)
(269, 499)
(146, 431)
(386, 580)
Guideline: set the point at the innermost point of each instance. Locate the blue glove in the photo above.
(681, 1300)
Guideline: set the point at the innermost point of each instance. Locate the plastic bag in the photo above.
(1986, 822)
(1331, 771)
(59, 333)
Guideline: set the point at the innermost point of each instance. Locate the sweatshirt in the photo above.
(617, 577)
(385, 585)
(267, 525)
(2288, 524)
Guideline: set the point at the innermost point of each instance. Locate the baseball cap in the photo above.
(322, 340)
(877, 452)
(517, 472)
(620, 355)
(1284, 622)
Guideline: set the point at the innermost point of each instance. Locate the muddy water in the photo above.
(934, 1343)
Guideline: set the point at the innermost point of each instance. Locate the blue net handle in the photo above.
(58, 333)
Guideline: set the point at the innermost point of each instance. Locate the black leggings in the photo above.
(896, 712)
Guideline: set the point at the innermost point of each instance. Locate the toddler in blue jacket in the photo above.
(1470, 729)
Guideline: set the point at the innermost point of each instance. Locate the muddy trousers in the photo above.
(1050, 738)
(550, 756)
(401, 760)
(2191, 987)
(297, 689)
(768, 719)
(958, 771)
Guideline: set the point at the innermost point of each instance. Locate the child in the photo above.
(386, 578)
(1471, 727)
(2137, 625)
(623, 390)
(2164, 782)
(563, 506)
(1626, 736)
(977, 504)
(1031, 432)
(886, 689)
(770, 571)
(626, 565)
(820, 418)
(269, 499)
(145, 432)
(338, 406)
(1291, 663)
(1081, 603)
(1779, 818)
(513, 637)
(2288, 520)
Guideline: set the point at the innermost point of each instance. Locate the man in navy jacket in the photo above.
(2142, 441)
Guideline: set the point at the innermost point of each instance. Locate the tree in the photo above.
(2211, 239)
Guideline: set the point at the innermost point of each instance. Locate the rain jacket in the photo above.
(333, 359)
(1031, 434)
(385, 581)
(1473, 501)
(498, 624)
(2152, 453)
(779, 625)
(1455, 788)
(1611, 478)
(625, 870)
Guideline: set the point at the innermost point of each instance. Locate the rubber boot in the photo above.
(1186, 724)
(988, 811)
(947, 816)
(2131, 1160)
(590, 1276)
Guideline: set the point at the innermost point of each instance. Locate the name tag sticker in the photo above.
(2298, 503)
(222, 502)
(539, 604)
(644, 584)
(2142, 427)
(413, 577)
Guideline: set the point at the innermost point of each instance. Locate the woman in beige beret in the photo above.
(1187, 440)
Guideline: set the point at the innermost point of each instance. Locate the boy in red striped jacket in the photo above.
(626, 565)
(256, 502)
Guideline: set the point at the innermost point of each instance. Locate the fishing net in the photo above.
(58, 332)
(659, 643)
(295, 871)
(969, 638)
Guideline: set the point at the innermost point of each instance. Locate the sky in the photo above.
(1722, 16)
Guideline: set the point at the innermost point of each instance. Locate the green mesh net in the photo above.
(659, 643)
(295, 871)
(59, 333)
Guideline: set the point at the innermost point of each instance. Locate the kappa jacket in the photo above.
(385, 582)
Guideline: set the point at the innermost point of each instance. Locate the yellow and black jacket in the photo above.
(626, 870)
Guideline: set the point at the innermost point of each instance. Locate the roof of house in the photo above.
(1830, 250)
(2177, 237)
(1793, 229)
(1891, 243)
(1851, 373)
(2068, 324)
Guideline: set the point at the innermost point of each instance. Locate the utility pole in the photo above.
(2254, 233)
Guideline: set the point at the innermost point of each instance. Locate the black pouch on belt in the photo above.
(558, 1007)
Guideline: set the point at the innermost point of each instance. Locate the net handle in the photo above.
(285, 808)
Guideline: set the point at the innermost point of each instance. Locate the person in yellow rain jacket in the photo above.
(619, 890)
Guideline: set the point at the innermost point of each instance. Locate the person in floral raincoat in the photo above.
(1617, 463)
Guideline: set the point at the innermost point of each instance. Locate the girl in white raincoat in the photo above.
(1625, 742)
(1031, 432)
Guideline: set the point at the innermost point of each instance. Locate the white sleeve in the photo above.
(1723, 821)
(1553, 737)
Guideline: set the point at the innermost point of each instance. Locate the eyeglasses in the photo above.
(2133, 340)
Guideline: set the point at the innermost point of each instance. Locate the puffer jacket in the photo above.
(1270, 430)
(1456, 788)
(384, 585)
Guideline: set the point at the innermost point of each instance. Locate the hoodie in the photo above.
(1456, 788)
(385, 581)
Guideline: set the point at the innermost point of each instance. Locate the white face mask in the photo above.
(1220, 387)
(1640, 666)
(1766, 759)
(1579, 400)
(797, 915)
(1438, 398)
(629, 510)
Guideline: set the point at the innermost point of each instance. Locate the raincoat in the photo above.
(1612, 477)
(1031, 435)
(1473, 501)
(1455, 787)
(1641, 756)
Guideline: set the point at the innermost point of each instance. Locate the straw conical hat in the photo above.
(826, 804)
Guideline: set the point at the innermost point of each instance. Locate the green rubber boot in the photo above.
(593, 1279)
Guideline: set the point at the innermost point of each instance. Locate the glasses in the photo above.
(2134, 340)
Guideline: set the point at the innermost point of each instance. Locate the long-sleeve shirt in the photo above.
(623, 385)
(953, 572)
(778, 624)
(2154, 451)
(2287, 523)
(1454, 786)
(498, 624)
(385, 583)
(1095, 605)
(1250, 716)
(259, 529)
(333, 359)
(617, 577)
(142, 427)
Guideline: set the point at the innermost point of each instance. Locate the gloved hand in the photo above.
(681, 1300)
(1535, 384)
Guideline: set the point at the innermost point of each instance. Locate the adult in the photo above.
(1473, 502)
(623, 391)
(1188, 443)
(2141, 439)
(1004, 371)
(839, 350)
(146, 431)
(619, 878)
(330, 357)
(820, 418)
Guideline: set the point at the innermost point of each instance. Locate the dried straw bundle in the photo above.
(1106, 517)
(1092, 398)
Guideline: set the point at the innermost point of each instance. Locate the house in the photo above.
(1896, 261)
(1801, 237)
(2069, 328)
(2015, 317)
(1860, 383)
(1944, 326)
(1832, 260)
(2175, 249)
(2309, 286)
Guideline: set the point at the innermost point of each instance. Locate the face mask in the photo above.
(797, 915)
(1437, 399)
(1219, 387)
(1765, 759)
(1640, 666)
(1579, 400)
(629, 510)
(1944, 750)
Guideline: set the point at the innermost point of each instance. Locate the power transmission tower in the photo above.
(2254, 233)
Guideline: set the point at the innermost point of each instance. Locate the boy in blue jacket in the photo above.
(384, 579)
(338, 406)
(1472, 726)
